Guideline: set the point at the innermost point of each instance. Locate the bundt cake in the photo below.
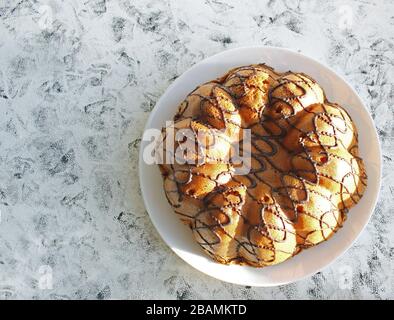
(304, 170)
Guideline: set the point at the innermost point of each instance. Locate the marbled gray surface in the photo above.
(77, 82)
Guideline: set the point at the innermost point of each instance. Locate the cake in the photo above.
(304, 171)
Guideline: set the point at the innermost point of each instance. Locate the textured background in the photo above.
(77, 82)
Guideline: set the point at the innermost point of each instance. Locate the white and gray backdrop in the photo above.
(78, 80)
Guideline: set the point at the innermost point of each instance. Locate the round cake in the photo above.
(303, 172)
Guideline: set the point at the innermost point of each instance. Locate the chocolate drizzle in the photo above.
(305, 172)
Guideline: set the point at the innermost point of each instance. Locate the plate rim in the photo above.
(293, 52)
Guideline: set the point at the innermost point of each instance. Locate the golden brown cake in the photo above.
(305, 172)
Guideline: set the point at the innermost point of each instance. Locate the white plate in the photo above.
(179, 238)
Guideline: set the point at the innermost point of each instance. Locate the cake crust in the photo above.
(305, 171)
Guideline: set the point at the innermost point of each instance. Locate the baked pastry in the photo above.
(303, 176)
